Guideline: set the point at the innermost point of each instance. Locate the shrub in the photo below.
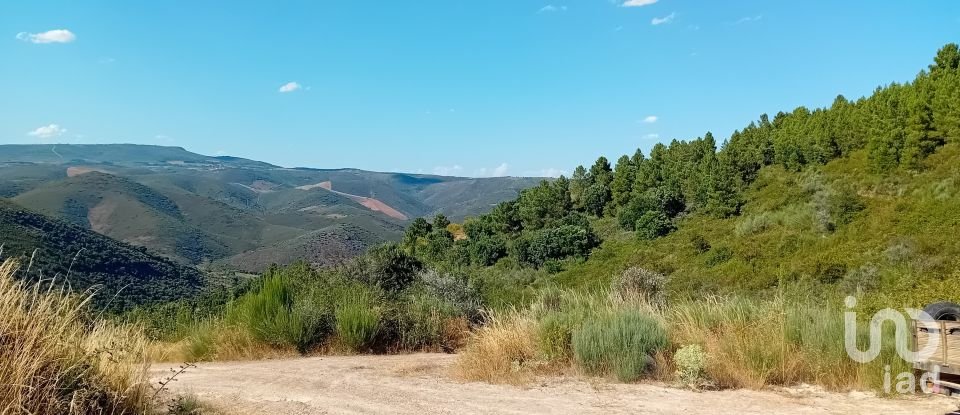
(554, 335)
(357, 318)
(486, 250)
(421, 319)
(699, 243)
(638, 284)
(652, 225)
(621, 344)
(555, 243)
(388, 267)
(691, 363)
(268, 313)
(454, 290)
(844, 206)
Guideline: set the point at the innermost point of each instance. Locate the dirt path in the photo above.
(419, 384)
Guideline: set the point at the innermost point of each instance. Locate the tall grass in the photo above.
(747, 342)
(56, 359)
(753, 343)
(269, 313)
(358, 319)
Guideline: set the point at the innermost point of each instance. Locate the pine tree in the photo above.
(578, 186)
(621, 187)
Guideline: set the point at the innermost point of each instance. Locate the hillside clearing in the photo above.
(419, 383)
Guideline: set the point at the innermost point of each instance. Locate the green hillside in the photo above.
(858, 198)
(123, 275)
(232, 211)
(124, 210)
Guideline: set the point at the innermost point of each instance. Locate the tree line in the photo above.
(898, 126)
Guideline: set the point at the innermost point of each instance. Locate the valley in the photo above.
(226, 212)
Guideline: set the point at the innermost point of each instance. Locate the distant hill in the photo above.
(85, 259)
(200, 209)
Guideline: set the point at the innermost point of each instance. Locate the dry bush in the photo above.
(55, 359)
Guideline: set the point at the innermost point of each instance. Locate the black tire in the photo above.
(943, 310)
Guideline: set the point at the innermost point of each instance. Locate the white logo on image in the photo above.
(902, 333)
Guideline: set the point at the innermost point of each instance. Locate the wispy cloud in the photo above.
(290, 87)
(453, 170)
(548, 172)
(637, 3)
(665, 19)
(47, 132)
(650, 119)
(498, 171)
(50, 36)
(551, 8)
(747, 19)
(652, 136)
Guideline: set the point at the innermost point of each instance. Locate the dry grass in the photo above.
(215, 340)
(749, 343)
(55, 359)
(502, 351)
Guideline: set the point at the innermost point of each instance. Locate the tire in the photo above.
(943, 310)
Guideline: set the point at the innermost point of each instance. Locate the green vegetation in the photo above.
(122, 276)
(382, 301)
(622, 344)
(774, 229)
(228, 212)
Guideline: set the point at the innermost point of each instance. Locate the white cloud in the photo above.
(551, 8)
(650, 119)
(550, 172)
(448, 170)
(501, 170)
(498, 171)
(106, 60)
(290, 87)
(748, 19)
(50, 36)
(652, 136)
(47, 132)
(637, 3)
(665, 19)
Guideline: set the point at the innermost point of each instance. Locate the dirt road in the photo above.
(419, 384)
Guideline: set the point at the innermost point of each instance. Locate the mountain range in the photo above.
(229, 212)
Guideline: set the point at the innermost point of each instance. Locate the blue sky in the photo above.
(475, 88)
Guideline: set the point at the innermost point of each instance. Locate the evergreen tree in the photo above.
(578, 186)
(624, 175)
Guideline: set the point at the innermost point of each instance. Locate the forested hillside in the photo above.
(860, 193)
(122, 276)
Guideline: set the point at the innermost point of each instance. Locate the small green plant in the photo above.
(622, 344)
(691, 363)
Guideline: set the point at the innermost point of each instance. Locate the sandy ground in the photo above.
(420, 384)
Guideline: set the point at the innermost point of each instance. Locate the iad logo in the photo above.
(905, 381)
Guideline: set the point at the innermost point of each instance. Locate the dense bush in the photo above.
(622, 344)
